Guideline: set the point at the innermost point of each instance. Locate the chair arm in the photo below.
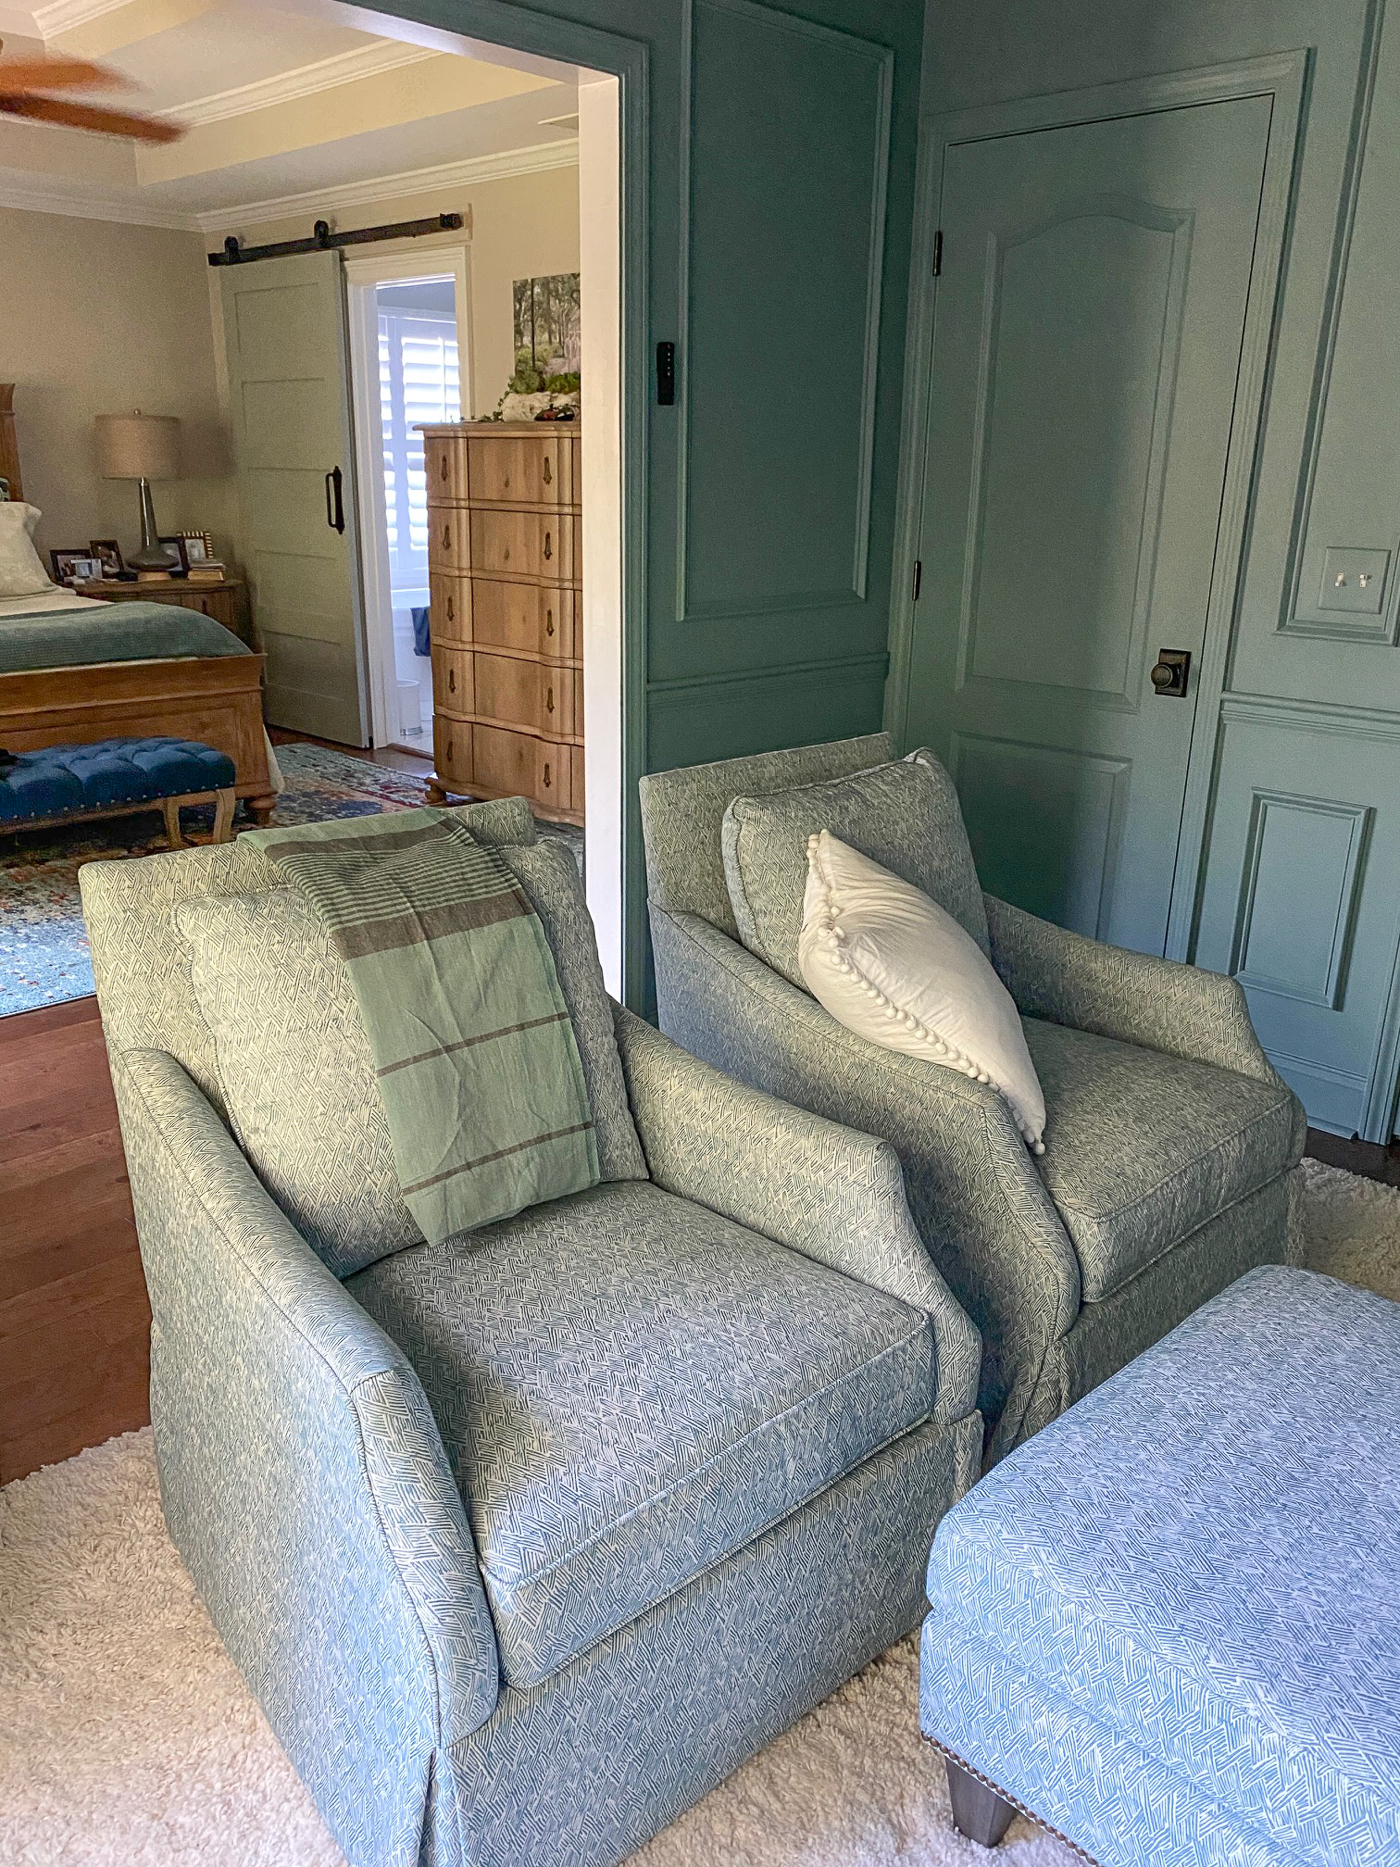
(976, 1198)
(1183, 1011)
(834, 1195)
(303, 1477)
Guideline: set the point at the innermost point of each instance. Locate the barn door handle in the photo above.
(335, 504)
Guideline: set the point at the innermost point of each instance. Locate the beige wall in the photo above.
(94, 319)
(521, 226)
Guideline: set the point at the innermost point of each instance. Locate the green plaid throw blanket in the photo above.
(473, 1046)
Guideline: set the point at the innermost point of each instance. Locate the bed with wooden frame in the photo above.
(216, 700)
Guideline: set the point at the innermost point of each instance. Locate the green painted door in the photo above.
(284, 328)
(1086, 345)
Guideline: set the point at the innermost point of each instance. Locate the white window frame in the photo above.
(391, 265)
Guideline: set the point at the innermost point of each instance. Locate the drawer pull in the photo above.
(442, 465)
(451, 680)
(450, 613)
(549, 622)
(548, 476)
(447, 537)
(548, 548)
(449, 751)
(547, 779)
(549, 700)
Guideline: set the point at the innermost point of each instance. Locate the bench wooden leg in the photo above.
(978, 1811)
(223, 816)
(170, 807)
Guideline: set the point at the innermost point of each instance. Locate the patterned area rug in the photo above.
(43, 945)
(127, 1739)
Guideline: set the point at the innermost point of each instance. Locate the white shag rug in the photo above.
(127, 1738)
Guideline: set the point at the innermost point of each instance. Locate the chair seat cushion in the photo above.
(1168, 1623)
(630, 1388)
(60, 780)
(1142, 1149)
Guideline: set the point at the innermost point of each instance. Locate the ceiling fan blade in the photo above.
(85, 117)
(59, 74)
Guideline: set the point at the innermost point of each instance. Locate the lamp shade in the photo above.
(138, 447)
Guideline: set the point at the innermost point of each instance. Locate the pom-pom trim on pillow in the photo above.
(833, 936)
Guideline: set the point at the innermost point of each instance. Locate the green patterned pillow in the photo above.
(904, 815)
(295, 1068)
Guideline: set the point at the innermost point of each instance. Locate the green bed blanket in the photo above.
(75, 638)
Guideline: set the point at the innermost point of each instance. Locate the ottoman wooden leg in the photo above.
(978, 1811)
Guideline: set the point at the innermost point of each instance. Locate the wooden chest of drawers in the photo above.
(505, 575)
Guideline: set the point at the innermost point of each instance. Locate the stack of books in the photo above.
(207, 570)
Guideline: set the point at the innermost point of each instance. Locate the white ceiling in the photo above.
(281, 104)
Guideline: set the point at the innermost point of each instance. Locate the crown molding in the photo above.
(61, 16)
(36, 193)
(285, 87)
(532, 161)
(17, 23)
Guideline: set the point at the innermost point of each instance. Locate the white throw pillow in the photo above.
(894, 967)
(22, 571)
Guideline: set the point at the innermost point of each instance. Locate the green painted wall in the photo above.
(774, 215)
(1298, 878)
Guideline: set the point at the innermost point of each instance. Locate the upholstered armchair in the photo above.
(1169, 1139)
(526, 1539)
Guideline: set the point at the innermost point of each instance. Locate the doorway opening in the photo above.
(410, 354)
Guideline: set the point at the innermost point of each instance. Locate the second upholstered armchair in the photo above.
(1170, 1140)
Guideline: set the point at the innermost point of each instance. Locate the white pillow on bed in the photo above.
(22, 571)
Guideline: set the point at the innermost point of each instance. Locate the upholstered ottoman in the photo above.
(114, 777)
(1169, 1625)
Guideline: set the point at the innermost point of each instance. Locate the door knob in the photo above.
(1170, 671)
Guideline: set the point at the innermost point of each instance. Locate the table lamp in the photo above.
(142, 448)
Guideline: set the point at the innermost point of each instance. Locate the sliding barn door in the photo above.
(284, 326)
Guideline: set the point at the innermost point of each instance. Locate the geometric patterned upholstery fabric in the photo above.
(60, 779)
(1215, 1137)
(986, 1212)
(295, 1070)
(1169, 1623)
(903, 815)
(682, 812)
(141, 960)
(631, 1387)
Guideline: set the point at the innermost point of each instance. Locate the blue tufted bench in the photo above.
(1169, 1624)
(114, 777)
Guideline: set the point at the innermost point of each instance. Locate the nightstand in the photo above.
(225, 601)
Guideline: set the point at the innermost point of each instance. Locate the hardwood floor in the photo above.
(74, 1320)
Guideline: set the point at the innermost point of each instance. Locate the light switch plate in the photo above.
(1354, 580)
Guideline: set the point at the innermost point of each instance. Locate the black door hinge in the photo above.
(918, 579)
(938, 253)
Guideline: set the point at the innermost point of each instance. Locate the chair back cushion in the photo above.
(682, 811)
(294, 1064)
(904, 815)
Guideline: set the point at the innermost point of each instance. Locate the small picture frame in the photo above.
(199, 547)
(109, 555)
(176, 543)
(75, 567)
